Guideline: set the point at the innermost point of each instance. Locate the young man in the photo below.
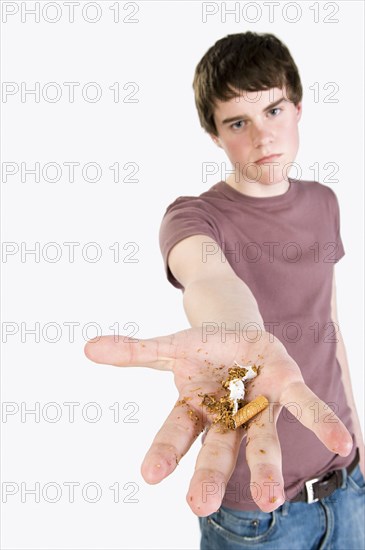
(254, 256)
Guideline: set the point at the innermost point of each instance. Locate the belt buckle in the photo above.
(310, 491)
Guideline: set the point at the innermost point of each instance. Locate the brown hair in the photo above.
(244, 61)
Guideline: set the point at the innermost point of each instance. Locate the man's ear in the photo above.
(299, 108)
(216, 140)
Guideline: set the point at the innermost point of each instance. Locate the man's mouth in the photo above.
(268, 158)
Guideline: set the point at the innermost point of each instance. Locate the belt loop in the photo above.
(285, 508)
(344, 478)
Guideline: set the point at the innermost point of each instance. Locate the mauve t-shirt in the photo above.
(284, 248)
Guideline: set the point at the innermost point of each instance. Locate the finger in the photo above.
(263, 454)
(315, 415)
(214, 466)
(174, 439)
(121, 351)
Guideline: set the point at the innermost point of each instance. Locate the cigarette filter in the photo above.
(250, 410)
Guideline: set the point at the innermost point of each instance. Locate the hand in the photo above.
(199, 365)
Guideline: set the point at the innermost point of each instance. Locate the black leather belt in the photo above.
(321, 487)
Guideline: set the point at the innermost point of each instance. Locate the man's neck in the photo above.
(257, 189)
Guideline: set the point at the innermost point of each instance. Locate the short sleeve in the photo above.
(185, 217)
(335, 209)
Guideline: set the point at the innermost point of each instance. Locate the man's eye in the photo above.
(238, 122)
(237, 125)
(276, 109)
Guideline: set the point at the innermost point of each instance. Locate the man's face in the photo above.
(256, 128)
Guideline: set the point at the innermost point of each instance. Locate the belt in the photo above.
(321, 487)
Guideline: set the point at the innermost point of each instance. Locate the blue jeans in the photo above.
(335, 523)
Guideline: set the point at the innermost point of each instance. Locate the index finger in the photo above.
(172, 441)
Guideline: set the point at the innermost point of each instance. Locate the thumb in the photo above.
(122, 351)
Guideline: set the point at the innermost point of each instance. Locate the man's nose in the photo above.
(261, 136)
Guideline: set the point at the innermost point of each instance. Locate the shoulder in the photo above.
(314, 187)
(195, 203)
(319, 193)
(184, 200)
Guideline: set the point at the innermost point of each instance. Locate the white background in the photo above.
(161, 133)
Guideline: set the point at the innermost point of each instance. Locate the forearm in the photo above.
(228, 301)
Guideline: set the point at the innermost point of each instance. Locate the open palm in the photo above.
(199, 363)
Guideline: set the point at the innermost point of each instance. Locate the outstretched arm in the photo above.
(213, 292)
(200, 362)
